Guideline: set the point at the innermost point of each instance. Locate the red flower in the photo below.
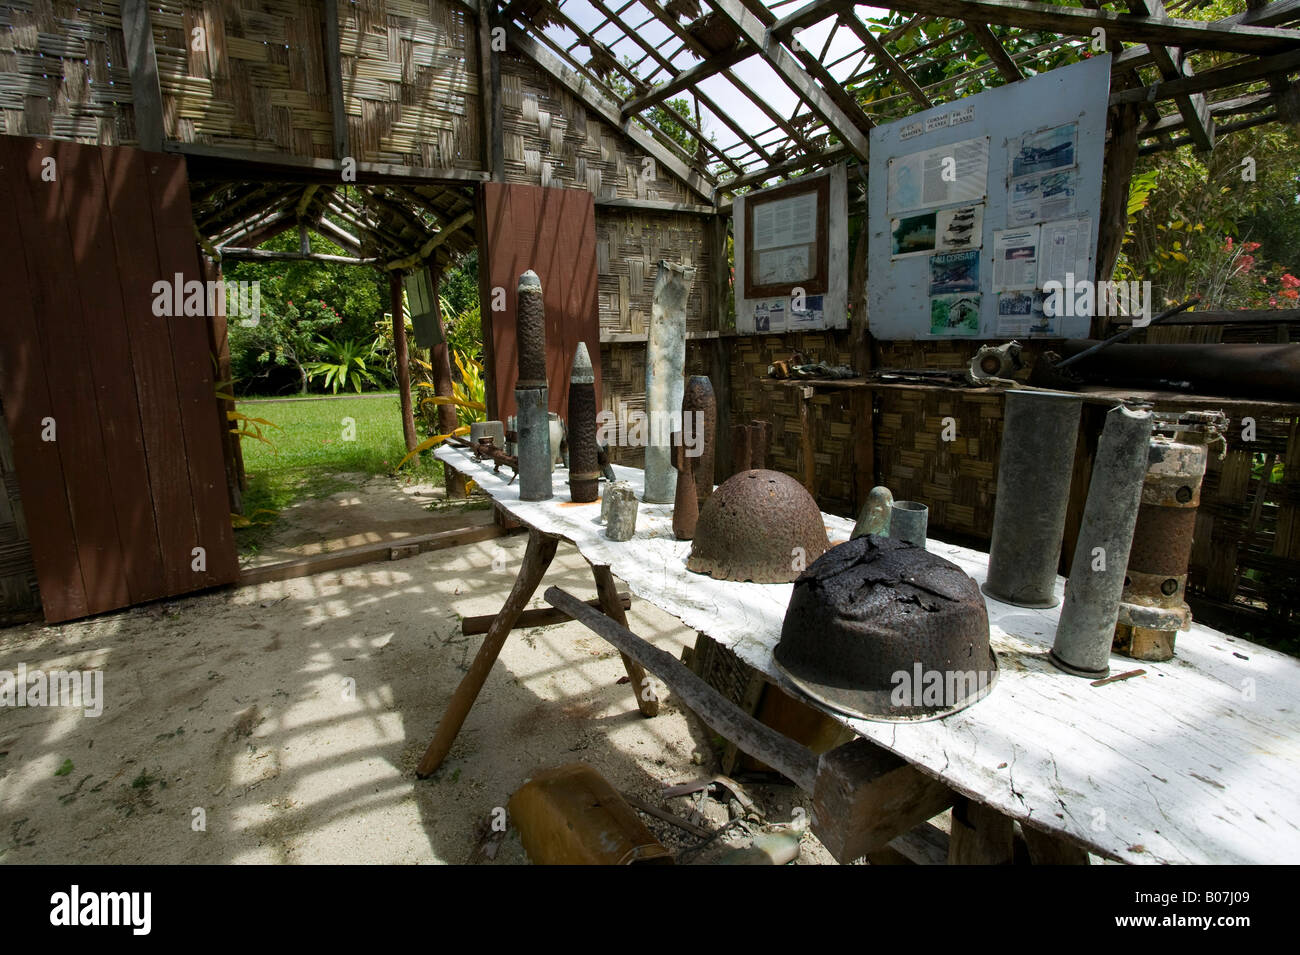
(1290, 281)
(1228, 244)
(1249, 246)
(1290, 293)
(1245, 263)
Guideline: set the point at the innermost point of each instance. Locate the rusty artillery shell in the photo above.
(739, 448)
(686, 503)
(700, 424)
(760, 436)
(584, 464)
(530, 332)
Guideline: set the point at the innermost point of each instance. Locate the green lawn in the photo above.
(312, 444)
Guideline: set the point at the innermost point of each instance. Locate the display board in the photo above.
(792, 263)
(974, 206)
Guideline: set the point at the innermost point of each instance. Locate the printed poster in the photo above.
(955, 314)
(1023, 313)
(812, 315)
(1044, 150)
(1038, 198)
(1064, 251)
(769, 315)
(960, 228)
(939, 176)
(1015, 258)
(954, 272)
(912, 235)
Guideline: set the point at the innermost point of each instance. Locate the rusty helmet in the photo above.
(760, 526)
(884, 630)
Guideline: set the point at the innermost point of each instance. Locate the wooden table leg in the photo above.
(607, 591)
(538, 556)
(980, 835)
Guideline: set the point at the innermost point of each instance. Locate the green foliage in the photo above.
(301, 302)
(344, 362)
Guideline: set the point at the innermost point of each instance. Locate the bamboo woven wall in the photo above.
(629, 247)
(18, 589)
(623, 367)
(63, 72)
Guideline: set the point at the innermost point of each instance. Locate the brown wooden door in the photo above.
(552, 232)
(110, 407)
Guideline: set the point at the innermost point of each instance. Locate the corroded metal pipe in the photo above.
(531, 393)
(584, 463)
(665, 367)
(1091, 608)
(1039, 431)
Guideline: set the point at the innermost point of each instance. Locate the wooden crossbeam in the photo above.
(1171, 64)
(996, 52)
(900, 74)
(840, 122)
(428, 248)
(1074, 21)
(1241, 71)
(687, 79)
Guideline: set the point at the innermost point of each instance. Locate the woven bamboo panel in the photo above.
(551, 140)
(63, 72)
(629, 247)
(832, 418)
(622, 390)
(18, 588)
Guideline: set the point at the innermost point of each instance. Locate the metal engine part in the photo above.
(758, 525)
(882, 629)
(1153, 606)
(996, 361)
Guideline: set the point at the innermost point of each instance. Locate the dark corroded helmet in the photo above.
(884, 630)
(760, 526)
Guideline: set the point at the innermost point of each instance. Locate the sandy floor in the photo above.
(287, 718)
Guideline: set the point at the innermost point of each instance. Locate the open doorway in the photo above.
(327, 395)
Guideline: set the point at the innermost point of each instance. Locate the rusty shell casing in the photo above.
(686, 504)
(530, 332)
(739, 448)
(571, 815)
(584, 455)
(760, 438)
(700, 424)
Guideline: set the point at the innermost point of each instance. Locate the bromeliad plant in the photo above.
(347, 361)
(468, 397)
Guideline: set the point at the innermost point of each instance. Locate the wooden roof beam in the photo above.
(687, 79)
(1172, 65)
(996, 52)
(1241, 71)
(904, 79)
(840, 122)
(1076, 21)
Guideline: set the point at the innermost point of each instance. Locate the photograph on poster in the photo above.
(1015, 258)
(955, 314)
(1023, 313)
(810, 316)
(912, 235)
(1049, 196)
(769, 315)
(1044, 150)
(954, 272)
(960, 228)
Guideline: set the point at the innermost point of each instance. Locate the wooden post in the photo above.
(807, 452)
(538, 557)
(1121, 157)
(980, 835)
(494, 160)
(142, 65)
(440, 359)
(334, 80)
(403, 360)
(612, 606)
(859, 330)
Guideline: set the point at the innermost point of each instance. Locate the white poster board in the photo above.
(974, 205)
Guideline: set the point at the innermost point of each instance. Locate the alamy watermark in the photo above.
(176, 298)
(1088, 299)
(922, 687)
(637, 429)
(76, 689)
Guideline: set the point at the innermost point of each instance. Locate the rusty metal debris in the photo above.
(884, 630)
(584, 463)
(758, 525)
(699, 406)
(1153, 606)
(686, 504)
(571, 815)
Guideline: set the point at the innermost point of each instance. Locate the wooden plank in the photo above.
(796, 762)
(334, 80)
(489, 66)
(980, 835)
(142, 64)
(541, 617)
(27, 401)
(866, 797)
(126, 174)
(94, 265)
(1072, 21)
(62, 335)
(996, 52)
(367, 553)
(178, 254)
